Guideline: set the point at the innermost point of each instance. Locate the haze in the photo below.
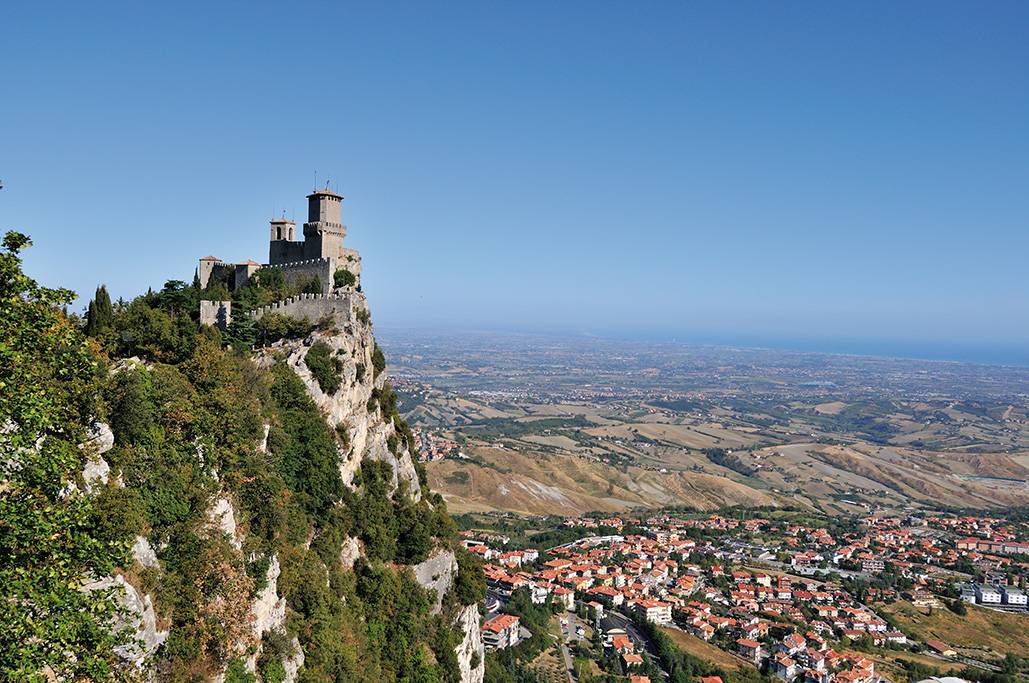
(804, 174)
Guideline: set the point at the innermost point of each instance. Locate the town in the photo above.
(759, 594)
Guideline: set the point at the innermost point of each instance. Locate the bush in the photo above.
(275, 326)
(470, 587)
(324, 367)
(378, 361)
(344, 278)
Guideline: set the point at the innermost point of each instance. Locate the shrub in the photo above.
(378, 361)
(470, 587)
(324, 367)
(364, 316)
(275, 326)
(344, 278)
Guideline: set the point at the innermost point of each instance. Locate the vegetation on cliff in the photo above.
(48, 386)
(195, 422)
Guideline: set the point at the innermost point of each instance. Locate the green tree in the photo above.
(48, 542)
(100, 315)
(344, 278)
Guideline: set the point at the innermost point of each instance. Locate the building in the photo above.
(987, 595)
(1014, 596)
(654, 611)
(749, 650)
(565, 597)
(941, 648)
(501, 631)
(317, 265)
(784, 667)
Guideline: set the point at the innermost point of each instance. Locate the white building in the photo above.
(501, 631)
(987, 595)
(1014, 596)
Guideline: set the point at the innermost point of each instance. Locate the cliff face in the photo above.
(247, 605)
(352, 343)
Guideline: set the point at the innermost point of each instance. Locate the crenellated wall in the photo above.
(342, 307)
(299, 271)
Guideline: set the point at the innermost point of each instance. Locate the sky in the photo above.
(823, 175)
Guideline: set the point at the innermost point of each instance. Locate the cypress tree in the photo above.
(100, 315)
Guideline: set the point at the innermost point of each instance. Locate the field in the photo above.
(690, 644)
(981, 633)
(550, 426)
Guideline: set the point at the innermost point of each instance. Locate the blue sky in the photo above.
(759, 171)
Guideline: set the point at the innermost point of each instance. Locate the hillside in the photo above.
(500, 479)
(254, 515)
(527, 455)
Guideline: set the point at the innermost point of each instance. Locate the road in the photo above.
(567, 629)
(613, 619)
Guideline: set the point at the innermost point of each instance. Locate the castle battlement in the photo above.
(298, 264)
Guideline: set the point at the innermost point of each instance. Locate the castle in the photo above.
(312, 261)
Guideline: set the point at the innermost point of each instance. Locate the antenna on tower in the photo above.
(316, 180)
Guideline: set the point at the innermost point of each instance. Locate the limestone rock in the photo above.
(349, 553)
(222, 517)
(471, 650)
(292, 664)
(143, 553)
(269, 609)
(437, 573)
(136, 614)
(369, 430)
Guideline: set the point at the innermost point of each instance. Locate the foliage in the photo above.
(324, 367)
(378, 361)
(48, 384)
(344, 278)
(187, 424)
(470, 587)
(303, 445)
(275, 326)
(100, 318)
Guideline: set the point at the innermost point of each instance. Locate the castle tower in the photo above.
(283, 246)
(324, 230)
(283, 229)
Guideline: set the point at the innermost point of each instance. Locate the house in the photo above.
(815, 676)
(704, 631)
(941, 648)
(639, 679)
(622, 644)
(792, 644)
(749, 650)
(565, 597)
(654, 611)
(501, 631)
(710, 679)
(632, 660)
(784, 667)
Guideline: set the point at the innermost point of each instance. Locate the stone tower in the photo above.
(324, 230)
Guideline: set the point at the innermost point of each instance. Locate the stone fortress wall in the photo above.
(216, 313)
(341, 306)
(303, 271)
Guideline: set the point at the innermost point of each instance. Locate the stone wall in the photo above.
(314, 307)
(216, 313)
(285, 251)
(300, 271)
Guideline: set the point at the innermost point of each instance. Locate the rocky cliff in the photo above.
(267, 584)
